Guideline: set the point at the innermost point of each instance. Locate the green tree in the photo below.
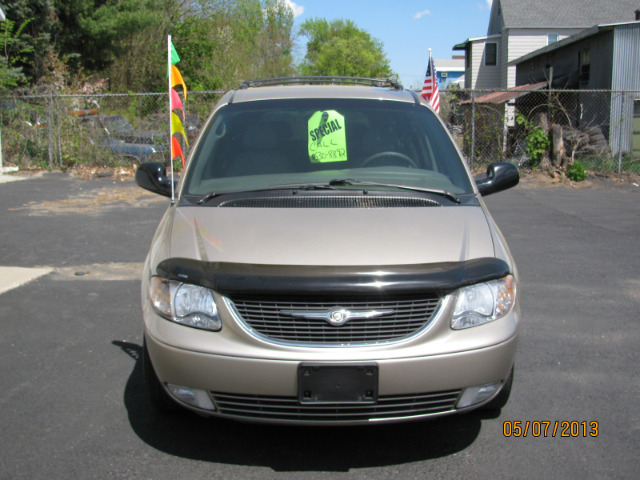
(227, 41)
(65, 42)
(119, 39)
(75, 45)
(135, 33)
(340, 48)
(13, 53)
(35, 21)
(276, 40)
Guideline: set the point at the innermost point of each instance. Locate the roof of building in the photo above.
(572, 39)
(463, 45)
(449, 64)
(564, 13)
(510, 94)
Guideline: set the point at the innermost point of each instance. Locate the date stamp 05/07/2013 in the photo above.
(550, 428)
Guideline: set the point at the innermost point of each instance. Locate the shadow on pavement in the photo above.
(289, 448)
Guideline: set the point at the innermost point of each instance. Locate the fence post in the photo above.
(620, 133)
(506, 112)
(473, 129)
(50, 129)
(58, 130)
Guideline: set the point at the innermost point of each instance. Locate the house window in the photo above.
(491, 54)
(552, 38)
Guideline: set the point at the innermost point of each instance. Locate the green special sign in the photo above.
(327, 137)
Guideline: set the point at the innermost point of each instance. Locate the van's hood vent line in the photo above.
(329, 201)
(229, 278)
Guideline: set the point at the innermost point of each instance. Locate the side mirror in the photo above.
(500, 176)
(152, 176)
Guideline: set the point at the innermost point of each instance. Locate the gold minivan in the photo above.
(327, 258)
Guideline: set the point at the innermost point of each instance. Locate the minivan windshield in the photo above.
(262, 144)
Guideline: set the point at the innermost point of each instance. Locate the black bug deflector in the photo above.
(230, 278)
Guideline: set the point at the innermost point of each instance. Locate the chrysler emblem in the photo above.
(336, 316)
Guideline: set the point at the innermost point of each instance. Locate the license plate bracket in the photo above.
(331, 384)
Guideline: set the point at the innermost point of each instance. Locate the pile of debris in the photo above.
(589, 143)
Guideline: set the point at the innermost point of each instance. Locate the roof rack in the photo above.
(331, 80)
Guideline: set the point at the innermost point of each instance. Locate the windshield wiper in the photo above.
(292, 186)
(303, 186)
(206, 198)
(362, 183)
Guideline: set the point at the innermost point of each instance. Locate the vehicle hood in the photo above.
(326, 236)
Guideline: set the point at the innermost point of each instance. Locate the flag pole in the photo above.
(430, 86)
(431, 66)
(173, 198)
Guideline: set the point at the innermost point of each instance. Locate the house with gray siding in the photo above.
(519, 27)
(597, 60)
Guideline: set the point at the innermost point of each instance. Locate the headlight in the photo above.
(484, 302)
(184, 303)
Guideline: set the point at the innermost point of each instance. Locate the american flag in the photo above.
(430, 86)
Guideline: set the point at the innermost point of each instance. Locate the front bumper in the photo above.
(266, 390)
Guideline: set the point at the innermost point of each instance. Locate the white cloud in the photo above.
(422, 14)
(295, 8)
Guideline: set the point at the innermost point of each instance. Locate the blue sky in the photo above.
(407, 28)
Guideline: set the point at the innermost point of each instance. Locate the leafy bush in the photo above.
(576, 172)
(537, 141)
(537, 144)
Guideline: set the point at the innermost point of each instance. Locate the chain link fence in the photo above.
(107, 130)
(545, 129)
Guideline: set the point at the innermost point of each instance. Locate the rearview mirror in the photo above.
(152, 176)
(500, 176)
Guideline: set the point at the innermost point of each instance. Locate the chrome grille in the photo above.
(269, 318)
(288, 408)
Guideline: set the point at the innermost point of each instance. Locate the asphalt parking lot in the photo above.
(73, 404)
